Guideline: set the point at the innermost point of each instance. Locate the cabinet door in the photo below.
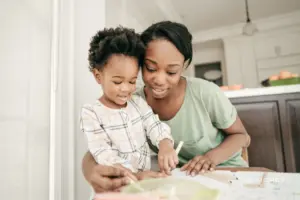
(261, 120)
(293, 110)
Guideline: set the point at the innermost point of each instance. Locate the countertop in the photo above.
(248, 92)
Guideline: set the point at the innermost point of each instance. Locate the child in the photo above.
(118, 123)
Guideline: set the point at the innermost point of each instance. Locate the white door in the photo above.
(25, 38)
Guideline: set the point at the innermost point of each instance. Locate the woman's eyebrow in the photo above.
(152, 61)
(169, 65)
(174, 65)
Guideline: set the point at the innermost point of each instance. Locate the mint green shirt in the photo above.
(205, 111)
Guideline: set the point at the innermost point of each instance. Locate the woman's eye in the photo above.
(149, 68)
(117, 83)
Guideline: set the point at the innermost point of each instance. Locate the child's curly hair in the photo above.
(111, 41)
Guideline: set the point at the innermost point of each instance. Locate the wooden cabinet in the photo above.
(273, 122)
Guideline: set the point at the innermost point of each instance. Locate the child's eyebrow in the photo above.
(118, 77)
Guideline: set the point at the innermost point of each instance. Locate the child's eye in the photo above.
(117, 83)
(132, 82)
(172, 73)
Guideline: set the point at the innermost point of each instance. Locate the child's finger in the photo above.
(161, 163)
(175, 158)
(166, 165)
(172, 162)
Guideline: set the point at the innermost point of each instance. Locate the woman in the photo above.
(197, 111)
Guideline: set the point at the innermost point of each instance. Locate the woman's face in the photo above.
(163, 67)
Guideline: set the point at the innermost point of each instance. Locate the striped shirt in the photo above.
(119, 136)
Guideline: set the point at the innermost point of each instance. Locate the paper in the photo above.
(207, 181)
(248, 185)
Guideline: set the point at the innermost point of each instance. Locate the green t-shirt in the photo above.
(204, 112)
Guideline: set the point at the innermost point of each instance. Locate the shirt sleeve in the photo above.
(99, 143)
(155, 129)
(221, 111)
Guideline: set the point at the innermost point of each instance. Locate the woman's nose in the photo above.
(160, 80)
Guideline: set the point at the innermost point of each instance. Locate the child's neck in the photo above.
(110, 104)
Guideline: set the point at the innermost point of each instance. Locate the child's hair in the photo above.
(111, 41)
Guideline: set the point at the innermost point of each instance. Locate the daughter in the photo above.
(118, 124)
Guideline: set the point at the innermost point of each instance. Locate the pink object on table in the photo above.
(120, 196)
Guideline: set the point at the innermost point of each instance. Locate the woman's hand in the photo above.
(167, 157)
(198, 164)
(129, 173)
(108, 178)
(149, 174)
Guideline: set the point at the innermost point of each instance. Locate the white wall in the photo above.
(110, 13)
(89, 18)
(208, 52)
(251, 59)
(25, 97)
(277, 51)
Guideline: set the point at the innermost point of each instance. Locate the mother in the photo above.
(197, 111)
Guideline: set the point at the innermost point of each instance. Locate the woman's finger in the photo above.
(131, 176)
(110, 171)
(197, 168)
(205, 166)
(109, 184)
(192, 165)
(212, 167)
(184, 167)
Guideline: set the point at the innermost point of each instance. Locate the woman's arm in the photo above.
(237, 138)
(88, 163)
(224, 117)
(103, 178)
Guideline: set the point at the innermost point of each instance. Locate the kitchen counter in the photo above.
(248, 92)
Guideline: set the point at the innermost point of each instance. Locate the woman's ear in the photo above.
(97, 75)
(186, 63)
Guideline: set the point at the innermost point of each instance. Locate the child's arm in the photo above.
(160, 135)
(99, 143)
(155, 129)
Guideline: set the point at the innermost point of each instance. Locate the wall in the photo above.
(252, 59)
(277, 51)
(208, 52)
(86, 89)
(25, 98)
(109, 13)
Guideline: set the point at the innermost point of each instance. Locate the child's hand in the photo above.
(149, 174)
(167, 156)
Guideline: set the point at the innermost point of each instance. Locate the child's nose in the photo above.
(125, 88)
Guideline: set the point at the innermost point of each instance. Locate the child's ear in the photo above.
(97, 75)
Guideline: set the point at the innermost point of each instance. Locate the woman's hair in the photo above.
(111, 41)
(176, 33)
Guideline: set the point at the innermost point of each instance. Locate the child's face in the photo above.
(118, 79)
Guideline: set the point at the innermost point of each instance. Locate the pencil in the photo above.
(179, 147)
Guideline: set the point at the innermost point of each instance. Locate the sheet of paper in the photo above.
(205, 180)
(250, 185)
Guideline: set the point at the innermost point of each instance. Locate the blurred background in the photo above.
(44, 77)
